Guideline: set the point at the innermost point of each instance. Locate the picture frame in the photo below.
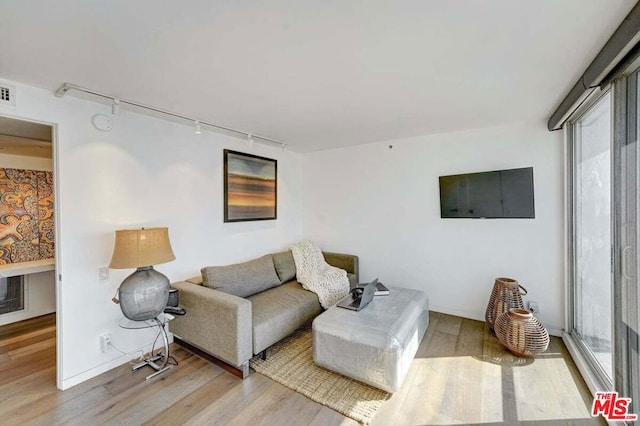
(250, 187)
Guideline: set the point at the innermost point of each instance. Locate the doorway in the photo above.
(29, 293)
(592, 301)
(604, 292)
(626, 236)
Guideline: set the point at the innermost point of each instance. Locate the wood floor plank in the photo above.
(460, 375)
(449, 324)
(470, 338)
(145, 404)
(63, 405)
(328, 417)
(118, 383)
(15, 369)
(123, 382)
(446, 345)
(259, 410)
(469, 378)
(27, 338)
(294, 409)
(122, 401)
(195, 402)
(25, 391)
(71, 409)
(43, 376)
(398, 409)
(19, 328)
(40, 376)
(278, 405)
(32, 348)
(434, 318)
(220, 411)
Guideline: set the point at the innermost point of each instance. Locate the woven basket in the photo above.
(505, 295)
(521, 332)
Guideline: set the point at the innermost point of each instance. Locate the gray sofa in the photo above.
(237, 311)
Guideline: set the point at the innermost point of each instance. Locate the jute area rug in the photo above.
(290, 362)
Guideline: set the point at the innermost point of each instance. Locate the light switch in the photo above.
(103, 273)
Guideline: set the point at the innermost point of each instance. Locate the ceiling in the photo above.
(316, 74)
(19, 137)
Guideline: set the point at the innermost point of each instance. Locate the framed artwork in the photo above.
(26, 216)
(250, 187)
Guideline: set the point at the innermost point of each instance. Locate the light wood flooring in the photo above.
(461, 375)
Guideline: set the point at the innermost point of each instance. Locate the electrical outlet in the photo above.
(533, 307)
(105, 342)
(103, 273)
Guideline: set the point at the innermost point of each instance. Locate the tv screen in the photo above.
(496, 194)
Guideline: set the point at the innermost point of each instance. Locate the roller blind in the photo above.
(622, 45)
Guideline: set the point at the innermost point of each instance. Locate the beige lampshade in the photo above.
(135, 248)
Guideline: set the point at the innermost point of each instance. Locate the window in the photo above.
(604, 302)
(592, 313)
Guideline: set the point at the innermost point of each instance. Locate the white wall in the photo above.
(40, 298)
(145, 172)
(383, 205)
(9, 161)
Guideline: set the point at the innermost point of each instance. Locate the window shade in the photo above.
(616, 51)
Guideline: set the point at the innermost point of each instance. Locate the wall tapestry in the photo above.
(250, 187)
(26, 215)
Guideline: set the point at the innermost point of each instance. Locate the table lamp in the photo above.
(143, 295)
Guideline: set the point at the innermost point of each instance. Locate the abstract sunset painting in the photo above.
(250, 184)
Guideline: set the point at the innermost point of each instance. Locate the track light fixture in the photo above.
(115, 109)
(250, 140)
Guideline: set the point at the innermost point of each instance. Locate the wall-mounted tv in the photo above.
(495, 194)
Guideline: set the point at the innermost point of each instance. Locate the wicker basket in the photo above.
(505, 295)
(521, 332)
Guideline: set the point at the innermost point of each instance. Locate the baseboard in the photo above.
(103, 368)
(93, 372)
(553, 331)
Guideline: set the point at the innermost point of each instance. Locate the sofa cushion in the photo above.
(285, 266)
(195, 280)
(242, 279)
(279, 312)
(353, 279)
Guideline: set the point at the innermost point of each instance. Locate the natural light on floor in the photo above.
(470, 390)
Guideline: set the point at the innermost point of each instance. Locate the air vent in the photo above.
(7, 94)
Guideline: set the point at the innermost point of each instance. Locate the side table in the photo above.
(160, 321)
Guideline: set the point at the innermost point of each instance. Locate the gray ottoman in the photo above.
(377, 344)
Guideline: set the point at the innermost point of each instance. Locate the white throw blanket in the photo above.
(315, 274)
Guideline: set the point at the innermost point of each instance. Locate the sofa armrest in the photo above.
(216, 322)
(348, 262)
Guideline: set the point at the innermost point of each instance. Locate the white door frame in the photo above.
(58, 255)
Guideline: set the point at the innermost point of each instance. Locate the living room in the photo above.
(416, 92)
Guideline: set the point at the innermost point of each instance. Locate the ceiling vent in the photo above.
(7, 94)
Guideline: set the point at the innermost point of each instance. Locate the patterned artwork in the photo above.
(26, 215)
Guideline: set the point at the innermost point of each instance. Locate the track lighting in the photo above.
(284, 147)
(115, 107)
(115, 110)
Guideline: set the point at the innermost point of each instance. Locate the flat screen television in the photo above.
(495, 194)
